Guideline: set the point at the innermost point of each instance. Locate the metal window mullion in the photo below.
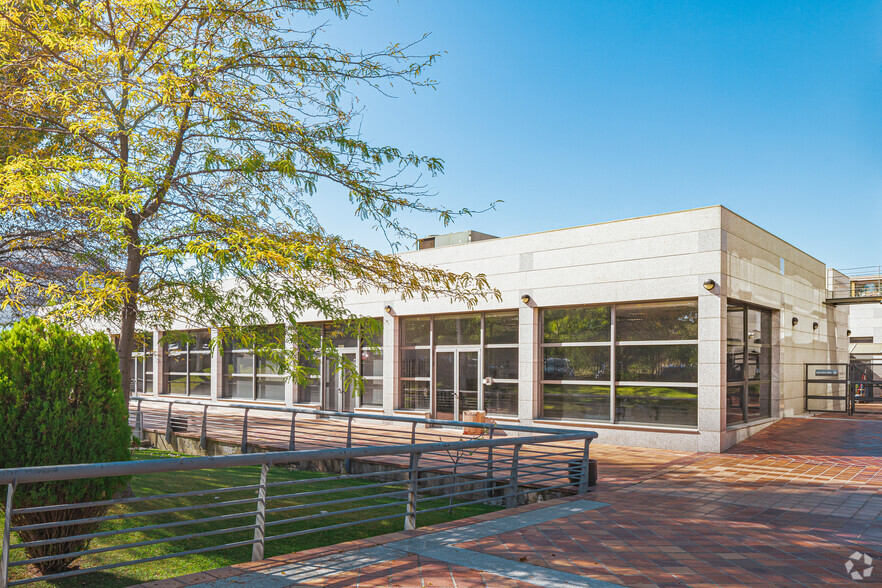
(612, 363)
(481, 366)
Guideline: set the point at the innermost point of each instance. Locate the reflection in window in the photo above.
(247, 375)
(564, 325)
(575, 402)
(361, 348)
(657, 363)
(142, 365)
(655, 343)
(657, 404)
(187, 363)
(665, 321)
(748, 364)
(498, 331)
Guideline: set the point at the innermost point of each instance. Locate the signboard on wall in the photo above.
(827, 372)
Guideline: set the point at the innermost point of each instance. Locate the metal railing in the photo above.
(432, 477)
(277, 427)
(841, 387)
(856, 284)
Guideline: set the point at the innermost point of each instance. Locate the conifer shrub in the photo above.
(61, 402)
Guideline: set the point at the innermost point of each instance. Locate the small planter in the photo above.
(474, 416)
(575, 470)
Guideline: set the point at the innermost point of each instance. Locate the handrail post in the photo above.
(293, 437)
(168, 426)
(412, 486)
(260, 520)
(347, 465)
(490, 463)
(7, 538)
(511, 496)
(413, 433)
(139, 422)
(244, 448)
(203, 436)
(583, 480)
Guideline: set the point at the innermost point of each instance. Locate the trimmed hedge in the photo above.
(61, 402)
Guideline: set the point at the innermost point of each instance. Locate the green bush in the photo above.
(61, 402)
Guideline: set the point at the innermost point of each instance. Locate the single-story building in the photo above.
(688, 330)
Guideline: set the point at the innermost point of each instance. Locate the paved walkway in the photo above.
(788, 507)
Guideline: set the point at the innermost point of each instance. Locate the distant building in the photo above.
(688, 330)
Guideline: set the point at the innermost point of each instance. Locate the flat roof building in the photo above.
(688, 330)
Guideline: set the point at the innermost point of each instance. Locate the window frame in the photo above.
(187, 352)
(613, 383)
(480, 347)
(245, 352)
(746, 345)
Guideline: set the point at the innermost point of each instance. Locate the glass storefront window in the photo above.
(142, 365)
(575, 402)
(570, 325)
(657, 405)
(748, 363)
(187, 363)
(249, 376)
(458, 330)
(657, 363)
(656, 356)
(489, 346)
(359, 353)
(576, 363)
(665, 321)
(500, 328)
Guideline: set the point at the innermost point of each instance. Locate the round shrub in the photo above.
(61, 402)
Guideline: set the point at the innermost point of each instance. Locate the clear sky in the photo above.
(581, 112)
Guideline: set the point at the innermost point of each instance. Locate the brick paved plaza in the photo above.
(787, 507)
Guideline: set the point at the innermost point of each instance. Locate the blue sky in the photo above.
(574, 113)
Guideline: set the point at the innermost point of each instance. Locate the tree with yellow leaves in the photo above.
(176, 144)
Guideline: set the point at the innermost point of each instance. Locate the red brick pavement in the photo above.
(785, 508)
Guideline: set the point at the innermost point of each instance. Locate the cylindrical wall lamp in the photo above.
(848, 333)
(815, 326)
(525, 298)
(388, 309)
(709, 284)
(794, 321)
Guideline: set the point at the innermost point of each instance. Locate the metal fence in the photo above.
(429, 477)
(280, 427)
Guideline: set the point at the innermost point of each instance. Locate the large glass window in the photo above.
(416, 363)
(142, 365)
(360, 351)
(748, 363)
(249, 376)
(494, 333)
(655, 351)
(187, 363)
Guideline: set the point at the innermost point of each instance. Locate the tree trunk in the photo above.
(129, 316)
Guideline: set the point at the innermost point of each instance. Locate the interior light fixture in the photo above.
(709, 284)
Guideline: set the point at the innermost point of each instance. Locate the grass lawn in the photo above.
(347, 491)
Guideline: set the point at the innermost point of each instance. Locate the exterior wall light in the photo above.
(525, 298)
(848, 333)
(388, 309)
(815, 326)
(709, 284)
(794, 321)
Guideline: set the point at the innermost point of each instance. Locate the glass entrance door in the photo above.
(338, 391)
(456, 383)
